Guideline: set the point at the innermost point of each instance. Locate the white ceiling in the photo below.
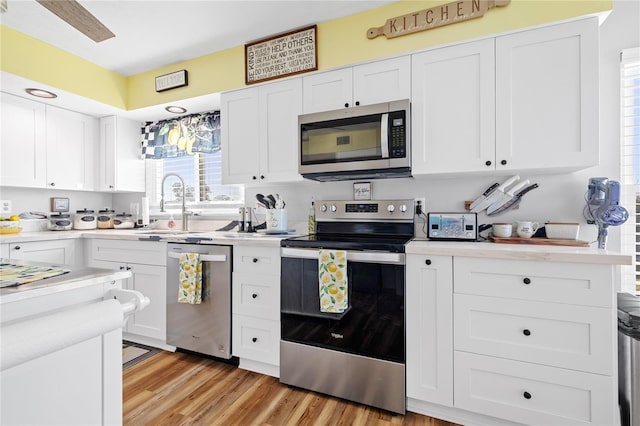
(155, 33)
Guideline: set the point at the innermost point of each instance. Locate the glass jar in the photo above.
(60, 222)
(105, 219)
(84, 219)
(123, 221)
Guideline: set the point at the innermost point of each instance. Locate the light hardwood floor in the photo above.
(184, 389)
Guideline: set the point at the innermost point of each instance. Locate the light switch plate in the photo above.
(5, 207)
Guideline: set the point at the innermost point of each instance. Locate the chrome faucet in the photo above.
(185, 213)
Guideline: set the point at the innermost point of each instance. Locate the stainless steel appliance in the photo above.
(206, 327)
(629, 358)
(452, 226)
(364, 142)
(358, 354)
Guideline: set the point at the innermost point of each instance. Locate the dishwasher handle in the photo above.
(203, 257)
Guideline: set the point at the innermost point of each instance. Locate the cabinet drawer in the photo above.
(142, 252)
(256, 260)
(533, 280)
(256, 339)
(533, 394)
(256, 295)
(568, 336)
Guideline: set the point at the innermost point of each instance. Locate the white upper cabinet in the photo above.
(453, 108)
(44, 146)
(547, 97)
(71, 139)
(524, 101)
(121, 167)
(23, 144)
(259, 133)
(375, 82)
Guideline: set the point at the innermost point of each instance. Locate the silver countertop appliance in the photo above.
(206, 327)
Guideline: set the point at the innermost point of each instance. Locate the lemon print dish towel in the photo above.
(190, 289)
(332, 276)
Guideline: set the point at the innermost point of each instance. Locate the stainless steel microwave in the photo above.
(363, 142)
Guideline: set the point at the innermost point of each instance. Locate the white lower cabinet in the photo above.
(62, 252)
(429, 330)
(526, 351)
(256, 308)
(147, 262)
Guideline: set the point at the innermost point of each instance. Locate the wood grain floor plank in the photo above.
(185, 389)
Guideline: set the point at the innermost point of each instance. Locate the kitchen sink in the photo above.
(164, 232)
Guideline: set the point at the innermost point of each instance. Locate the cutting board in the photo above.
(540, 241)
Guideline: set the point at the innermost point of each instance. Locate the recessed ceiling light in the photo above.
(41, 93)
(176, 109)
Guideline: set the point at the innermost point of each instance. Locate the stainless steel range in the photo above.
(359, 353)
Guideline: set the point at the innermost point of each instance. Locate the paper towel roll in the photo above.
(145, 211)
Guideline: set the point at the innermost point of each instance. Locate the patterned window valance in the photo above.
(182, 136)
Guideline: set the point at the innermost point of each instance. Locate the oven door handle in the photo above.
(203, 257)
(352, 256)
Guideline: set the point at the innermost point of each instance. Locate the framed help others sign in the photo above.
(283, 55)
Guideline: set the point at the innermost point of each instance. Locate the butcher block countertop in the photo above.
(547, 253)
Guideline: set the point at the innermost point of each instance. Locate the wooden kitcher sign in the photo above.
(437, 16)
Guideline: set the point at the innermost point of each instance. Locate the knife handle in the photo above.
(490, 189)
(508, 182)
(527, 189)
(518, 186)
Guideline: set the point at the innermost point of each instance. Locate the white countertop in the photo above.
(546, 253)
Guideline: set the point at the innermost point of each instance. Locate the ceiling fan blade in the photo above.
(78, 17)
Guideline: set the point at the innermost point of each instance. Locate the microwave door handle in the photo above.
(384, 135)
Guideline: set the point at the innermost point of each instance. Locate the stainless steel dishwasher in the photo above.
(206, 327)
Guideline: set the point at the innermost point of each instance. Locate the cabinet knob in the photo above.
(255, 260)
(255, 339)
(254, 178)
(357, 103)
(16, 247)
(254, 295)
(346, 105)
(526, 332)
(128, 268)
(487, 163)
(52, 184)
(526, 395)
(427, 262)
(122, 268)
(503, 162)
(110, 186)
(261, 176)
(526, 281)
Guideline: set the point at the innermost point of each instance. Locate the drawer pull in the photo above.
(255, 339)
(526, 281)
(17, 248)
(427, 262)
(255, 260)
(526, 332)
(526, 395)
(254, 295)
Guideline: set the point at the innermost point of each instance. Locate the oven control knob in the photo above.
(333, 208)
(403, 208)
(323, 208)
(391, 208)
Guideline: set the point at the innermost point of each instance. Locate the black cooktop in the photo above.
(389, 243)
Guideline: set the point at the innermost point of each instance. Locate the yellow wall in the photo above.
(38, 61)
(340, 42)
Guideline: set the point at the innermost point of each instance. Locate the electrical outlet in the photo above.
(5, 207)
(422, 203)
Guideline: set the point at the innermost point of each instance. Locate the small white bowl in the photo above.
(563, 231)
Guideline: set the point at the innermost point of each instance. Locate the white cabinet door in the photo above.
(280, 105)
(328, 90)
(61, 252)
(71, 138)
(453, 109)
(23, 144)
(150, 280)
(375, 82)
(547, 97)
(429, 319)
(259, 133)
(239, 132)
(382, 81)
(121, 167)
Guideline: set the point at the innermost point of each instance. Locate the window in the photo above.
(198, 163)
(630, 136)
